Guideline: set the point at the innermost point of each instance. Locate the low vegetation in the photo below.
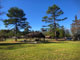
(61, 50)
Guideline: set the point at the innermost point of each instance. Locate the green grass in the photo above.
(67, 50)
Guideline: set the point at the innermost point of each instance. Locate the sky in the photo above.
(36, 9)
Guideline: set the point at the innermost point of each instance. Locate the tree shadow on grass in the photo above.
(12, 46)
(20, 43)
(6, 44)
(60, 41)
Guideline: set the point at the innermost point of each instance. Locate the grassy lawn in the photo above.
(67, 50)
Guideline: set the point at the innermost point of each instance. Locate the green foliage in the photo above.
(67, 33)
(27, 29)
(4, 32)
(17, 19)
(62, 32)
(7, 33)
(54, 12)
(50, 32)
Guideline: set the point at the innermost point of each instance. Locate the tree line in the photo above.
(17, 21)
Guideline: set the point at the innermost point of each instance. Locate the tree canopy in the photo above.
(54, 13)
(16, 18)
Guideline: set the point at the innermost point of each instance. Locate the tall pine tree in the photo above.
(54, 12)
(17, 19)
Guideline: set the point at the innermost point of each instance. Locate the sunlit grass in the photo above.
(64, 50)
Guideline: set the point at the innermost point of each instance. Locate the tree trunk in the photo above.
(16, 39)
(55, 28)
(16, 32)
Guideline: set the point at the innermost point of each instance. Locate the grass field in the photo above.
(63, 50)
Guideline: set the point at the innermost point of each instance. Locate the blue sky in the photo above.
(36, 9)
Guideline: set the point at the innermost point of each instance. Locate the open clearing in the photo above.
(63, 50)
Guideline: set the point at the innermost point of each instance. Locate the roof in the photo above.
(35, 34)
